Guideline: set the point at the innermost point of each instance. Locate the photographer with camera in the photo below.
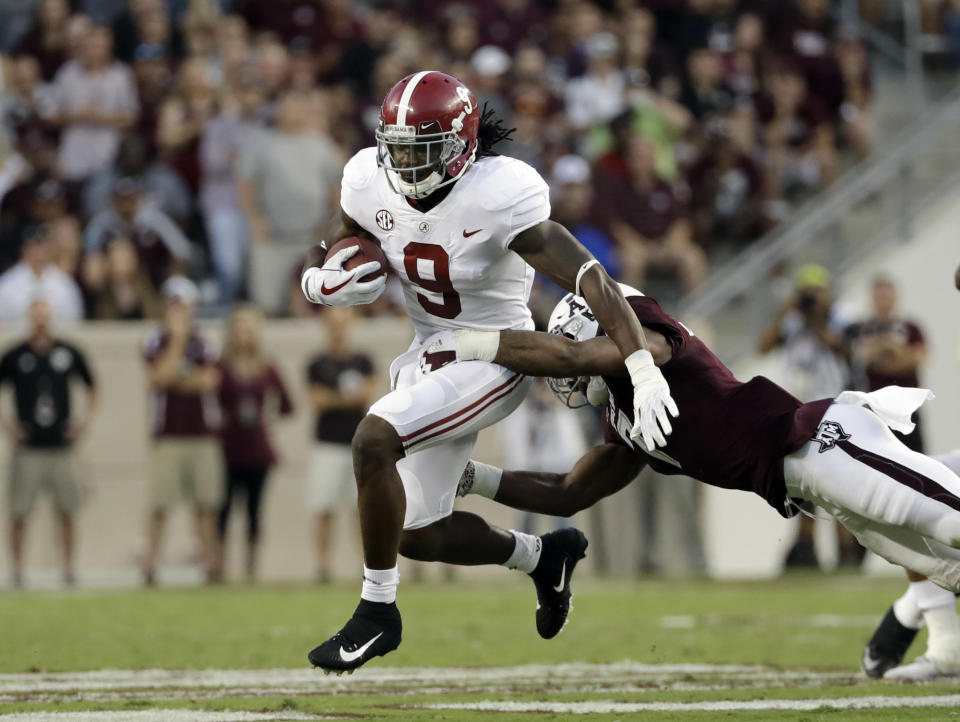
(810, 332)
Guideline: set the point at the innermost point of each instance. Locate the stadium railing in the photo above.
(869, 208)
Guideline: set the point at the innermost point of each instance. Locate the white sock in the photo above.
(380, 585)
(930, 596)
(526, 552)
(906, 611)
(939, 609)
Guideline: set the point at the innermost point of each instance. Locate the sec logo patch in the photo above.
(384, 219)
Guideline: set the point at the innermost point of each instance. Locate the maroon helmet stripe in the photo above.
(898, 472)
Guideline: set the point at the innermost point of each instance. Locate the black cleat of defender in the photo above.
(373, 630)
(887, 647)
(561, 551)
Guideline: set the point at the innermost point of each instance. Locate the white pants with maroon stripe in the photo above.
(438, 417)
(902, 505)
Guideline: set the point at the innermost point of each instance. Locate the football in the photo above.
(369, 251)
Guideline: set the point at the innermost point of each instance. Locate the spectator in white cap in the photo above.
(185, 458)
(490, 65)
(598, 95)
(571, 197)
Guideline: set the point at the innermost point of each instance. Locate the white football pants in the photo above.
(438, 417)
(902, 505)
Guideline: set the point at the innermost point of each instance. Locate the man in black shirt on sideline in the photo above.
(40, 370)
(341, 388)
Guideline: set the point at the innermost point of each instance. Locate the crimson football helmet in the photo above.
(427, 137)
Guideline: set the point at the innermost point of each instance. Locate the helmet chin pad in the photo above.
(419, 189)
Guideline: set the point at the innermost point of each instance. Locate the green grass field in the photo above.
(660, 650)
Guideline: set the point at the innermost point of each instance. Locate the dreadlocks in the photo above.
(491, 131)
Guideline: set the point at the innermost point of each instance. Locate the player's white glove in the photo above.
(332, 285)
(651, 400)
(451, 346)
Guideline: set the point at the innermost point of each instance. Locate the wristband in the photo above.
(478, 345)
(583, 269)
(637, 363)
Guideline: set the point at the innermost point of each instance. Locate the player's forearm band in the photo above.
(583, 269)
(478, 345)
(486, 479)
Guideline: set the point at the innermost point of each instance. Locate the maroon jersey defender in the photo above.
(730, 434)
(837, 453)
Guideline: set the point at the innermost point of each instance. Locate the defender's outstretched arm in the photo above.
(553, 251)
(600, 472)
(534, 353)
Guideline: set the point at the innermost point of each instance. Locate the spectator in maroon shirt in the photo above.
(726, 189)
(118, 288)
(47, 39)
(185, 457)
(888, 350)
(855, 120)
(181, 122)
(251, 392)
(648, 221)
(706, 92)
(806, 38)
(29, 111)
(341, 389)
(797, 133)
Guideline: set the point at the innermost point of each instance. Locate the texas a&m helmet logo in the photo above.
(385, 219)
(829, 434)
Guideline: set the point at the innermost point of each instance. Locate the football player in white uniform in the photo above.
(464, 229)
(923, 604)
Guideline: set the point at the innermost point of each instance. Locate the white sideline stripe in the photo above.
(160, 715)
(843, 621)
(118, 679)
(806, 705)
(407, 94)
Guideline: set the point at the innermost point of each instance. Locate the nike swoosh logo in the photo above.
(356, 654)
(327, 291)
(563, 574)
(870, 663)
(467, 235)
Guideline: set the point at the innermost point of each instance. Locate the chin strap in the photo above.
(583, 269)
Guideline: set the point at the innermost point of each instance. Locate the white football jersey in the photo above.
(453, 261)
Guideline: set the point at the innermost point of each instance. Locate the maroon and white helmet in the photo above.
(427, 137)
(573, 319)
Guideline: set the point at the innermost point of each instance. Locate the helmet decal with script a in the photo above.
(427, 136)
(573, 319)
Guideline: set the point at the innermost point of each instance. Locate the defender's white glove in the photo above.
(332, 285)
(651, 400)
(451, 346)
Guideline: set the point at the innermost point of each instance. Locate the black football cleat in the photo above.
(887, 647)
(561, 551)
(373, 630)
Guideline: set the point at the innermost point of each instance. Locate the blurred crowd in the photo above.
(148, 138)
